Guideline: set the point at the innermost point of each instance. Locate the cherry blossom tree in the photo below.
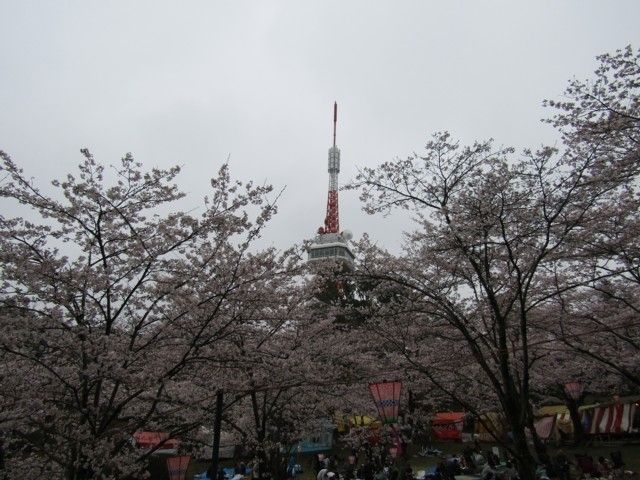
(276, 366)
(602, 116)
(560, 366)
(600, 324)
(291, 370)
(603, 112)
(111, 298)
(495, 245)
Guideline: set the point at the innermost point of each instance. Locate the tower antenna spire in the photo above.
(335, 120)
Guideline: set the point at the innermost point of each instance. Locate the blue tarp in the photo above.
(229, 473)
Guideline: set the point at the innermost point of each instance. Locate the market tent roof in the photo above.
(447, 417)
(552, 410)
(490, 422)
(617, 401)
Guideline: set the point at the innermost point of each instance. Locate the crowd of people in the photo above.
(484, 465)
(473, 461)
(559, 467)
(382, 467)
(379, 463)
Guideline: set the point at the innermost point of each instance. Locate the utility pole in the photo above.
(215, 452)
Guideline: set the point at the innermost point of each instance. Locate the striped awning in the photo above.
(617, 418)
(544, 426)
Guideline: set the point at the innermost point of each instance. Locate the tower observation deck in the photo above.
(331, 243)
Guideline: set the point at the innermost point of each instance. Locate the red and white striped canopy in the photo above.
(616, 418)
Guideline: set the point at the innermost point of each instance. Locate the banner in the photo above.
(177, 467)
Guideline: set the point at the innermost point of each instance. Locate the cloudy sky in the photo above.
(196, 82)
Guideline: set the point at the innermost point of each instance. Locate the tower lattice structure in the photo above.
(332, 220)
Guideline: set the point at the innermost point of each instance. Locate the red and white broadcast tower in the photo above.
(332, 220)
(330, 242)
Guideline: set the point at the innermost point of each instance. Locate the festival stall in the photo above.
(447, 425)
(614, 418)
(618, 417)
(489, 426)
(553, 422)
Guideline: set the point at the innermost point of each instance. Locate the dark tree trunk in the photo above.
(578, 429)
(526, 464)
(539, 446)
(215, 450)
(517, 420)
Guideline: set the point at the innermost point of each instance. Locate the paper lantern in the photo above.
(177, 467)
(386, 396)
(574, 389)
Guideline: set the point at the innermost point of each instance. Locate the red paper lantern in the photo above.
(386, 396)
(177, 467)
(574, 389)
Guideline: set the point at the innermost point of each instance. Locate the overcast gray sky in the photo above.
(193, 82)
